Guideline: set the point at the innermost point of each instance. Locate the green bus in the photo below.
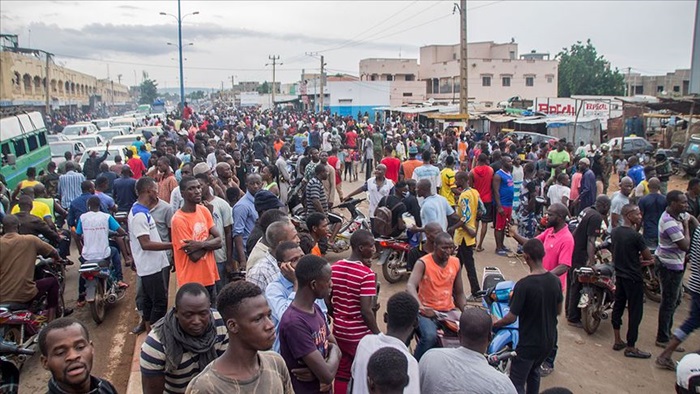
(23, 145)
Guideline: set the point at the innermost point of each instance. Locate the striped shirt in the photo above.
(315, 190)
(176, 381)
(670, 232)
(69, 187)
(351, 281)
(264, 271)
(694, 280)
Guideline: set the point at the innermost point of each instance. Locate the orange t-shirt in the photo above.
(408, 167)
(435, 287)
(278, 145)
(193, 226)
(316, 250)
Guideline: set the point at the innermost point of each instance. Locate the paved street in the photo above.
(585, 363)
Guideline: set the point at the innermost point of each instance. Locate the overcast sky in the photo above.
(235, 38)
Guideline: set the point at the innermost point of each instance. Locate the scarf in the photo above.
(176, 342)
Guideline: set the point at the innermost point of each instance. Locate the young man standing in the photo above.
(447, 181)
(481, 178)
(195, 237)
(469, 206)
(392, 164)
(429, 172)
(536, 301)
(401, 318)
(245, 366)
(503, 192)
(408, 166)
(308, 348)
(149, 253)
(627, 247)
(351, 302)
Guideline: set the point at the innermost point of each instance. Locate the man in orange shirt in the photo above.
(407, 167)
(392, 164)
(194, 238)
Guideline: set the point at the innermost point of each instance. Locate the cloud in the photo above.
(129, 7)
(149, 40)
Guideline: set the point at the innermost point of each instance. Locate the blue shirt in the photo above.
(280, 294)
(69, 187)
(124, 191)
(435, 209)
(244, 216)
(587, 190)
(506, 190)
(652, 206)
(110, 180)
(637, 174)
(298, 141)
(145, 157)
(79, 207)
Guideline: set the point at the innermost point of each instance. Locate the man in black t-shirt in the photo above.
(537, 300)
(395, 203)
(585, 236)
(627, 246)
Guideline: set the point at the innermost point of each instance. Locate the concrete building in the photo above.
(23, 83)
(674, 84)
(496, 72)
(405, 88)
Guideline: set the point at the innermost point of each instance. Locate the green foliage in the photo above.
(149, 91)
(196, 95)
(265, 88)
(583, 72)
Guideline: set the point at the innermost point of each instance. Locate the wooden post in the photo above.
(690, 123)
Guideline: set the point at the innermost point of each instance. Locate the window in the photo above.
(512, 54)
(42, 139)
(20, 148)
(550, 78)
(659, 88)
(389, 77)
(33, 144)
(408, 94)
(485, 81)
(529, 81)
(505, 81)
(445, 85)
(436, 85)
(410, 77)
(639, 89)
(344, 101)
(676, 89)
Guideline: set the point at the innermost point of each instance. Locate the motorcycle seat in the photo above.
(604, 269)
(14, 306)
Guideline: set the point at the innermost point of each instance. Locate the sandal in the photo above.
(80, 304)
(502, 252)
(619, 346)
(636, 353)
(480, 249)
(665, 363)
(122, 285)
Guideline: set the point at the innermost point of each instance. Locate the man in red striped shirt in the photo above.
(351, 301)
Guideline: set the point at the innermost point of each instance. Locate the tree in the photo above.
(264, 88)
(196, 95)
(583, 72)
(149, 91)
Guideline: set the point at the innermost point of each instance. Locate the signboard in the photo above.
(588, 108)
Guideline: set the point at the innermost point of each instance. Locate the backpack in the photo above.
(382, 221)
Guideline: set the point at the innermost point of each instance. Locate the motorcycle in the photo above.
(20, 323)
(393, 257)
(12, 357)
(101, 287)
(597, 294)
(357, 221)
(496, 296)
(652, 283)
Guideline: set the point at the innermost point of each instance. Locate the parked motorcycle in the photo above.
(393, 257)
(496, 296)
(342, 240)
(100, 287)
(652, 282)
(12, 357)
(597, 294)
(20, 323)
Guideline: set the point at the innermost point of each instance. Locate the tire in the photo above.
(589, 315)
(652, 287)
(692, 161)
(13, 334)
(390, 264)
(98, 307)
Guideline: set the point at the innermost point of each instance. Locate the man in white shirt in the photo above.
(464, 369)
(377, 187)
(560, 192)
(149, 252)
(429, 172)
(401, 321)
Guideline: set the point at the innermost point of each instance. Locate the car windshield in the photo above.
(61, 149)
(88, 142)
(72, 130)
(123, 140)
(102, 123)
(108, 135)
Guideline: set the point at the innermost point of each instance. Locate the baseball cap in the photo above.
(201, 168)
(265, 200)
(585, 161)
(688, 373)
(412, 149)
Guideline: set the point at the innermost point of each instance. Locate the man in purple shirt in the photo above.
(588, 189)
(306, 344)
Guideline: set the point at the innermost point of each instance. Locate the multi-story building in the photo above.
(112, 93)
(402, 75)
(495, 72)
(674, 83)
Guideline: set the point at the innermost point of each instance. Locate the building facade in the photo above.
(674, 84)
(495, 73)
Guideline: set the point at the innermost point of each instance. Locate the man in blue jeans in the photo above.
(674, 242)
(693, 321)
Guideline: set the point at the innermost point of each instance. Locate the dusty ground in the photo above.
(585, 363)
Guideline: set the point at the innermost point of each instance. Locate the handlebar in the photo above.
(494, 359)
(348, 203)
(11, 348)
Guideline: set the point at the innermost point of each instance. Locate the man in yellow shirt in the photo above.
(468, 208)
(39, 209)
(447, 184)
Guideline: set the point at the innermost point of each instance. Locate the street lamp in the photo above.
(179, 19)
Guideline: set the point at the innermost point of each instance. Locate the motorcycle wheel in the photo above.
(589, 315)
(97, 307)
(652, 287)
(390, 266)
(13, 334)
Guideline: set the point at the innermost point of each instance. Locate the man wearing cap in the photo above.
(407, 167)
(588, 189)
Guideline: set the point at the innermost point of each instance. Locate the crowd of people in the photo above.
(213, 199)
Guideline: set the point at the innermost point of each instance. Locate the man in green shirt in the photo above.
(557, 157)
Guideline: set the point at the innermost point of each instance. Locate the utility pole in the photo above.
(233, 81)
(322, 83)
(274, 66)
(463, 80)
(629, 81)
(119, 77)
(48, 83)
(323, 64)
(695, 59)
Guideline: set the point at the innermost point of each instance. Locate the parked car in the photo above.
(76, 129)
(690, 159)
(56, 137)
(126, 140)
(633, 145)
(102, 123)
(115, 150)
(536, 138)
(59, 149)
(108, 133)
(90, 141)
